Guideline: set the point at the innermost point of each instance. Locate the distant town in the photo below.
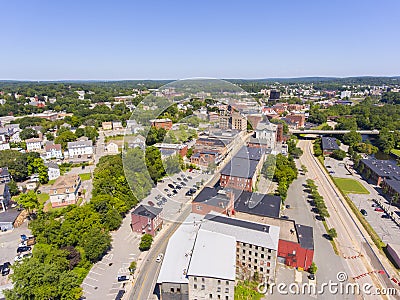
(198, 189)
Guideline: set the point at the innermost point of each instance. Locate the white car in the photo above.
(159, 257)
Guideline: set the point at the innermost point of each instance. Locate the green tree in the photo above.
(352, 138)
(13, 188)
(145, 242)
(132, 267)
(172, 164)
(95, 242)
(29, 201)
(313, 268)
(338, 154)
(154, 163)
(332, 233)
(28, 133)
(64, 138)
(37, 167)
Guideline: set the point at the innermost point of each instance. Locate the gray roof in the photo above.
(51, 165)
(329, 143)
(240, 167)
(258, 234)
(4, 172)
(214, 255)
(258, 204)
(383, 168)
(306, 236)
(219, 200)
(254, 140)
(9, 216)
(79, 144)
(250, 153)
(147, 211)
(394, 184)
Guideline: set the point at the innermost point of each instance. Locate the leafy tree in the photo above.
(28, 133)
(352, 138)
(338, 154)
(132, 267)
(154, 163)
(313, 268)
(37, 166)
(332, 233)
(50, 136)
(29, 201)
(172, 164)
(145, 242)
(64, 138)
(13, 188)
(95, 242)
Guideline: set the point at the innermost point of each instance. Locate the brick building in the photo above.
(161, 123)
(146, 219)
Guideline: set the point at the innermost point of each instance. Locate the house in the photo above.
(210, 200)
(206, 158)
(117, 125)
(161, 123)
(329, 144)
(53, 150)
(264, 137)
(138, 141)
(239, 173)
(53, 170)
(33, 144)
(4, 146)
(80, 148)
(376, 170)
(112, 148)
(146, 219)
(8, 218)
(106, 125)
(5, 196)
(65, 190)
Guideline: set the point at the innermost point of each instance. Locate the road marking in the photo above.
(92, 278)
(95, 273)
(93, 286)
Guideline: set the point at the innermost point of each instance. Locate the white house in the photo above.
(53, 150)
(80, 148)
(4, 146)
(4, 196)
(53, 170)
(112, 148)
(65, 190)
(81, 95)
(33, 144)
(138, 141)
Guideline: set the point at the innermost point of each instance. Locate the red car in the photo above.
(150, 203)
(379, 209)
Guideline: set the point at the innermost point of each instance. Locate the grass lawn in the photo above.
(350, 186)
(84, 176)
(395, 152)
(43, 197)
(51, 182)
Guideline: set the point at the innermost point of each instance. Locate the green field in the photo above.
(395, 152)
(84, 176)
(350, 186)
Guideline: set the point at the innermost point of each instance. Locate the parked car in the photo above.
(178, 187)
(5, 268)
(122, 278)
(379, 209)
(163, 199)
(190, 177)
(188, 193)
(182, 183)
(166, 190)
(22, 256)
(311, 277)
(364, 212)
(150, 203)
(386, 216)
(169, 195)
(375, 205)
(175, 192)
(185, 180)
(23, 249)
(193, 190)
(285, 217)
(287, 206)
(179, 179)
(159, 203)
(171, 185)
(159, 257)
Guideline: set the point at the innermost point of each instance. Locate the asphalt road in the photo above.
(352, 238)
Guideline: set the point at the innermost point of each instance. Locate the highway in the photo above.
(352, 239)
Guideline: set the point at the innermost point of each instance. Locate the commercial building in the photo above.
(180, 149)
(391, 187)
(329, 144)
(146, 219)
(376, 170)
(209, 200)
(240, 173)
(296, 120)
(65, 190)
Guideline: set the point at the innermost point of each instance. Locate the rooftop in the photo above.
(214, 255)
(258, 204)
(79, 144)
(394, 184)
(246, 232)
(306, 236)
(4, 172)
(9, 215)
(329, 143)
(221, 199)
(52, 165)
(50, 145)
(179, 249)
(383, 168)
(147, 211)
(250, 153)
(240, 167)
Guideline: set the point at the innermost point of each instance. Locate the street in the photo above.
(352, 239)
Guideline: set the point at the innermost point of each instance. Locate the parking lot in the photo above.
(386, 228)
(9, 242)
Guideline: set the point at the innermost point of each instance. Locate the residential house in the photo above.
(5, 196)
(112, 148)
(65, 190)
(53, 170)
(106, 125)
(4, 146)
(53, 150)
(4, 175)
(137, 141)
(33, 144)
(117, 125)
(80, 148)
(146, 219)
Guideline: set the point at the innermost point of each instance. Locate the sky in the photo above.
(155, 39)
